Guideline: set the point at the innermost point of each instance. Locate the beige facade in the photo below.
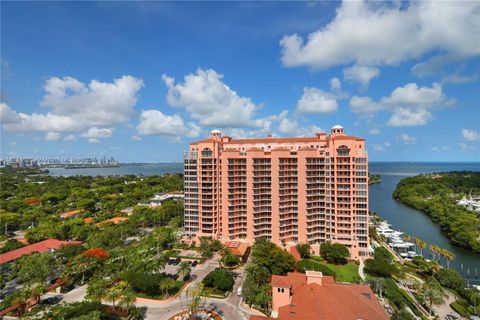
(289, 190)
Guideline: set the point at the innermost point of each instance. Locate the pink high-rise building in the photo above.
(290, 190)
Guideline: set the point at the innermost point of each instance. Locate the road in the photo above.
(228, 308)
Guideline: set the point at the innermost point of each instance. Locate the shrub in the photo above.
(231, 260)
(144, 283)
(220, 279)
(460, 308)
(335, 253)
(380, 268)
(382, 253)
(450, 278)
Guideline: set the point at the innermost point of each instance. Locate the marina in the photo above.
(395, 240)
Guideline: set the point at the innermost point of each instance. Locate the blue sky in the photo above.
(139, 81)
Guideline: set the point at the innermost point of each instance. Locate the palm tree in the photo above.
(441, 253)
(449, 256)
(406, 237)
(432, 293)
(113, 295)
(166, 285)
(421, 245)
(433, 251)
(96, 290)
(127, 300)
(184, 269)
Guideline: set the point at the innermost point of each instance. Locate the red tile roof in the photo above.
(330, 300)
(72, 213)
(42, 246)
(238, 248)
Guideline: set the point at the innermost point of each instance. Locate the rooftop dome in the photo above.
(337, 126)
(215, 132)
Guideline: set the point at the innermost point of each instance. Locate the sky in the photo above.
(139, 81)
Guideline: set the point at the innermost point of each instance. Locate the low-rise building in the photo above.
(312, 296)
(48, 245)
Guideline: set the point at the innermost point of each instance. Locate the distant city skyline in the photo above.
(139, 81)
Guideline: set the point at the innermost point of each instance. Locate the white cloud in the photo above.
(335, 85)
(364, 105)
(441, 149)
(155, 123)
(361, 74)
(97, 133)
(369, 34)
(211, 102)
(135, 138)
(7, 115)
(292, 128)
(94, 140)
(404, 117)
(413, 96)
(406, 139)
(466, 147)
(315, 100)
(410, 104)
(374, 131)
(381, 147)
(76, 106)
(457, 78)
(53, 136)
(69, 137)
(470, 135)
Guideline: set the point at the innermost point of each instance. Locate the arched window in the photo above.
(343, 150)
(206, 153)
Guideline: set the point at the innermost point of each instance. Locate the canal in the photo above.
(414, 222)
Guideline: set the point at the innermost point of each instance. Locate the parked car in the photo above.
(51, 300)
(239, 291)
(194, 263)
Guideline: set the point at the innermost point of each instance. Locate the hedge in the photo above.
(460, 309)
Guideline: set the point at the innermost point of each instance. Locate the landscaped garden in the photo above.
(347, 272)
(218, 283)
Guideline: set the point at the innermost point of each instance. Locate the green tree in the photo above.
(184, 269)
(127, 300)
(167, 285)
(335, 253)
(432, 293)
(35, 267)
(304, 250)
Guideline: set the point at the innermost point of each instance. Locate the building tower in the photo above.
(290, 190)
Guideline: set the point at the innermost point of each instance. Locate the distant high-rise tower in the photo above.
(290, 190)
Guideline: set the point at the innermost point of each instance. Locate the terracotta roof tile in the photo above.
(332, 301)
(72, 213)
(42, 246)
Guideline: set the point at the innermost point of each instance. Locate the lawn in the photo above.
(345, 273)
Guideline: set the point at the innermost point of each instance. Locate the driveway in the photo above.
(76, 295)
(228, 308)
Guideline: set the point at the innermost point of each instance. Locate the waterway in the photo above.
(403, 218)
(414, 222)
